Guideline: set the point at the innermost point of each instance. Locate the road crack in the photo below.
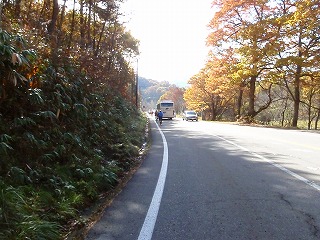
(310, 220)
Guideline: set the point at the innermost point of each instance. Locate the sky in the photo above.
(172, 35)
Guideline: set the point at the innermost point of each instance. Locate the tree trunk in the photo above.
(283, 112)
(89, 40)
(54, 18)
(72, 24)
(252, 90)
(317, 119)
(1, 6)
(296, 100)
(296, 103)
(310, 118)
(51, 29)
(213, 108)
(94, 27)
(100, 38)
(82, 23)
(213, 113)
(239, 101)
(61, 23)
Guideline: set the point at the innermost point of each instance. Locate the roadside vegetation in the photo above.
(69, 124)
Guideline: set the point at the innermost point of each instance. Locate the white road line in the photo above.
(297, 176)
(150, 220)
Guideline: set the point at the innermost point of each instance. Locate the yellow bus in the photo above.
(167, 107)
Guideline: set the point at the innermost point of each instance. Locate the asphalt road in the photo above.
(205, 180)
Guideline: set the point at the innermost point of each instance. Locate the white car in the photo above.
(190, 115)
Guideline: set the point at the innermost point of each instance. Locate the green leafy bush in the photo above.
(61, 144)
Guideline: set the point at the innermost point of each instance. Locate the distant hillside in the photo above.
(151, 90)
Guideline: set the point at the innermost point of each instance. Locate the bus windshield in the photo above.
(166, 104)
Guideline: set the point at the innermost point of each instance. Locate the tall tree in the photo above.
(242, 25)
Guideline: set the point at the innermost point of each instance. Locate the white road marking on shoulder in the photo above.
(151, 217)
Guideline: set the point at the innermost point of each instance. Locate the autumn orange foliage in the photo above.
(259, 48)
